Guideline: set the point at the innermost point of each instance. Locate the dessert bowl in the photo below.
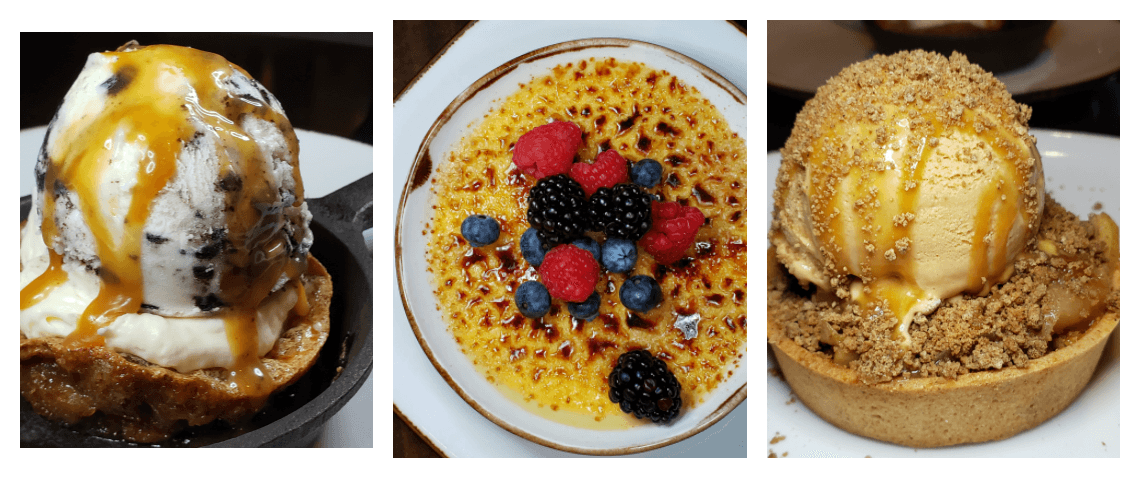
(296, 415)
(1076, 165)
(414, 218)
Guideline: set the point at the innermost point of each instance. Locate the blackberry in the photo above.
(558, 210)
(643, 385)
(623, 211)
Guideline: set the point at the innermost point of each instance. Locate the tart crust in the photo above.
(935, 411)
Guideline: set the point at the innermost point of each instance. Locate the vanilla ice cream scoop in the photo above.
(167, 187)
(908, 179)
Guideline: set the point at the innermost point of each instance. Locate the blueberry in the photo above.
(532, 299)
(531, 246)
(619, 255)
(640, 293)
(591, 246)
(586, 310)
(480, 230)
(646, 173)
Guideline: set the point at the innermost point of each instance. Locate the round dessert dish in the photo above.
(932, 412)
(413, 240)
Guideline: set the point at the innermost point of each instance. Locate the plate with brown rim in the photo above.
(414, 217)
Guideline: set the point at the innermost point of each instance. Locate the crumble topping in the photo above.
(1063, 281)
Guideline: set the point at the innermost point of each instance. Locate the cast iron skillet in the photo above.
(296, 415)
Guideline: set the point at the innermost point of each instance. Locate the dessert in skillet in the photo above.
(923, 289)
(589, 245)
(165, 269)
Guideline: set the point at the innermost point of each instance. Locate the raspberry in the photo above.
(569, 272)
(548, 149)
(674, 228)
(609, 169)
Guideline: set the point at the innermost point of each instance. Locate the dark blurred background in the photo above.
(323, 80)
(1091, 105)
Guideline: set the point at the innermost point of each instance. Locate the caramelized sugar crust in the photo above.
(121, 396)
(1065, 281)
(558, 361)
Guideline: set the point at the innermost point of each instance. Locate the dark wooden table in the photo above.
(415, 43)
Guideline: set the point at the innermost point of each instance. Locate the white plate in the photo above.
(327, 164)
(802, 55)
(1081, 170)
(420, 393)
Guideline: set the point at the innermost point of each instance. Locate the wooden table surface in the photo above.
(415, 43)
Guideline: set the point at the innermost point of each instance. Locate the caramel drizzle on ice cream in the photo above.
(908, 161)
(875, 240)
(157, 96)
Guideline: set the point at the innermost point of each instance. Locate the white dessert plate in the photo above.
(415, 282)
(1082, 172)
(327, 164)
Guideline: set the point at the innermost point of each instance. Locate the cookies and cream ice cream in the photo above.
(909, 179)
(168, 220)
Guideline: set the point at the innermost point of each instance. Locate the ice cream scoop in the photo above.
(908, 179)
(169, 218)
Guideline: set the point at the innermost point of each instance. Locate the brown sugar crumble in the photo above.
(777, 439)
(1065, 270)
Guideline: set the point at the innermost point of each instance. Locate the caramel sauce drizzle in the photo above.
(141, 106)
(892, 190)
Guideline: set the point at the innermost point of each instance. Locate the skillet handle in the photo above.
(348, 210)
